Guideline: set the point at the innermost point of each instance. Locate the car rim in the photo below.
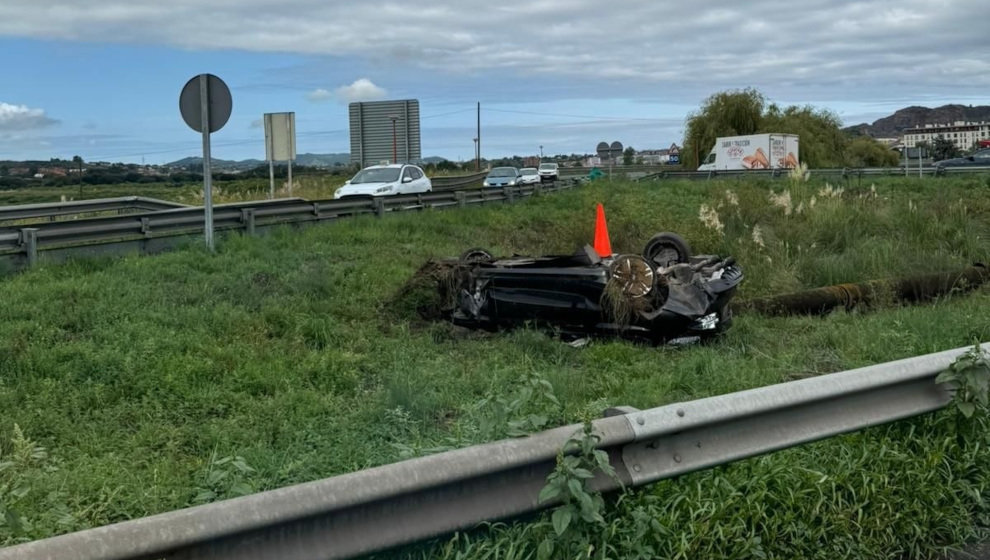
(633, 275)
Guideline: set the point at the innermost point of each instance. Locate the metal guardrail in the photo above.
(396, 504)
(458, 181)
(155, 231)
(52, 209)
(615, 169)
(834, 172)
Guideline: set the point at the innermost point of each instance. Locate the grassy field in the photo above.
(314, 187)
(140, 385)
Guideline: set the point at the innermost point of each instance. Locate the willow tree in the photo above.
(864, 151)
(822, 142)
(727, 113)
(738, 112)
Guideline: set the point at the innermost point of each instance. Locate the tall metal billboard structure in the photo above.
(385, 131)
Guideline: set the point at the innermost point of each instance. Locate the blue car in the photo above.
(502, 177)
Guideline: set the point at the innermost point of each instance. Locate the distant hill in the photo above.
(308, 160)
(217, 164)
(910, 117)
(323, 160)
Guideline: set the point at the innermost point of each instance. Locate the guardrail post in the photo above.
(510, 194)
(247, 218)
(146, 226)
(538, 189)
(461, 199)
(379, 207)
(29, 238)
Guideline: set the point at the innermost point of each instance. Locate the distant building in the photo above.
(651, 157)
(962, 134)
(658, 157)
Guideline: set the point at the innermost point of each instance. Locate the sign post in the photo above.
(615, 150)
(280, 144)
(205, 106)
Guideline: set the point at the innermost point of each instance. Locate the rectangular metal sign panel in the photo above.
(385, 131)
(280, 136)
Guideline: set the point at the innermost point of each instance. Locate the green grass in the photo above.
(314, 187)
(154, 383)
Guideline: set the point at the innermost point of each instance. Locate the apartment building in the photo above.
(962, 134)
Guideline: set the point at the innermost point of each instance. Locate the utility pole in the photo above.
(541, 153)
(477, 162)
(477, 140)
(395, 156)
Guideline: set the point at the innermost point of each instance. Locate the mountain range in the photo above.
(914, 116)
(308, 160)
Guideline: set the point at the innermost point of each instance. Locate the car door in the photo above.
(410, 185)
(420, 180)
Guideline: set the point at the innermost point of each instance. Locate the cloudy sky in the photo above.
(101, 78)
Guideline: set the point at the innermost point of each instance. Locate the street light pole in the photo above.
(395, 152)
(541, 152)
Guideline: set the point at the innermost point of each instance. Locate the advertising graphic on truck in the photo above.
(754, 151)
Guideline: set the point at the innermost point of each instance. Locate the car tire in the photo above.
(476, 255)
(665, 249)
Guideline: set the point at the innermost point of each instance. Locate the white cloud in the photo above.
(21, 117)
(319, 94)
(362, 89)
(846, 46)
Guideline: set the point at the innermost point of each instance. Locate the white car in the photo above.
(384, 180)
(548, 171)
(529, 176)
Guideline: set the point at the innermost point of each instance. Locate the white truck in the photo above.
(753, 151)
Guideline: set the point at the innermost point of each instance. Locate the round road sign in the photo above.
(616, 149)
(602, 150)
(218, 102)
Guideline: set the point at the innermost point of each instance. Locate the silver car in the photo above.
(502, 177)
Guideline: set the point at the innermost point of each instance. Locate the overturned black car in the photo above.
(662, 295)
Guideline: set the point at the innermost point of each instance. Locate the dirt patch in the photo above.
(431, 293)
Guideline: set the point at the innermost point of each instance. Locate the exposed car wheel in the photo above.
(476, 255)
(633, 275)
(666, 249)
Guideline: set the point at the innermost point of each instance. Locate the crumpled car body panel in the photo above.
(568, 294)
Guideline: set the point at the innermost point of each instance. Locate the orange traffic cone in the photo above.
(602, 245)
